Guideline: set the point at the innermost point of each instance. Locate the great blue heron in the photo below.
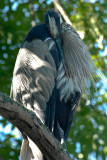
(50, 74)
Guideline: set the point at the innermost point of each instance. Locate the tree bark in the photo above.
(27, 121)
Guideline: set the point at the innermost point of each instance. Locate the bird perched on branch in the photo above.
(51, 72)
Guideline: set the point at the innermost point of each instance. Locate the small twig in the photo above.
(62, 12)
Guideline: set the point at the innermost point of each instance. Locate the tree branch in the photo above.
(26, 121)
(62, 12)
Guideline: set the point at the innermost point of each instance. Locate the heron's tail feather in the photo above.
(26, 152)
(29, 151)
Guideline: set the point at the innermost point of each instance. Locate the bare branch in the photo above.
(26, 121)
(62, 12)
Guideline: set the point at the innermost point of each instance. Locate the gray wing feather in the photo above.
(34, 75)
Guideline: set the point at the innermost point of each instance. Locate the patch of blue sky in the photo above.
(105, 11)
(97, 8)
(103, 80)
(93, 122)
(78, 147)
(87, 1)
(4, 131)
(49, 2)
(103, 108)
(92, 156)
(102, 90)
(1, 117)
(12, 1)
(23, 1)
(14, 6)
(105, 20)
(36, 7)
(99, 157)
(5, 55)
(94, 101)
(92, 1)
(41, 1)
(27, 14)
(6, 8)
(8, 130)
(103, 53)
(101, 1)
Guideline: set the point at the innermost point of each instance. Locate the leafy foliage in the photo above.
(87, 137)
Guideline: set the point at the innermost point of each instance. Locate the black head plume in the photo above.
(53, 23)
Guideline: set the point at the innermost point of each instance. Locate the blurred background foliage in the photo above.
(88, 136)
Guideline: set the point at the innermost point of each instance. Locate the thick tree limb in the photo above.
(26, 121)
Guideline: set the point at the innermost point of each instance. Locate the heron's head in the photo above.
(53, 23)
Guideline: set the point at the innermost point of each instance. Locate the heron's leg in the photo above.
(61, 136)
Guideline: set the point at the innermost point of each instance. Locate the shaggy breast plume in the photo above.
(78, 62)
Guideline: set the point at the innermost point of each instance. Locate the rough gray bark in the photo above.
(26, 121)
